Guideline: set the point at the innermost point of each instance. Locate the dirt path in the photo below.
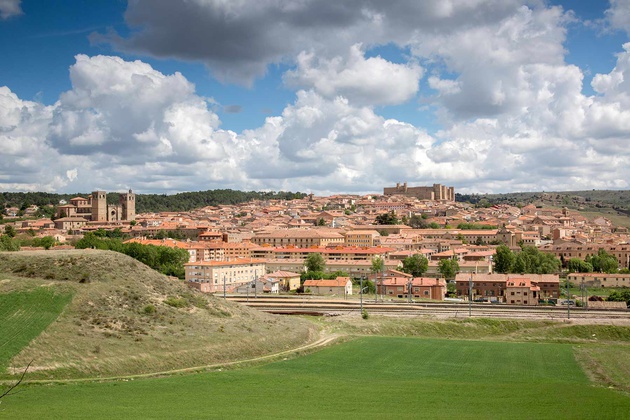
(324, 339)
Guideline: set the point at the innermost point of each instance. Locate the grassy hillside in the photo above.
(612, 204)
(125, 318)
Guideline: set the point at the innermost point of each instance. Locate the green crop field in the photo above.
(23, 316)
(368, 377)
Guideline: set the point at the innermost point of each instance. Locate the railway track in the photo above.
(318, 306)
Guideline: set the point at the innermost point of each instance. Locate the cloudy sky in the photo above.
(313, 95)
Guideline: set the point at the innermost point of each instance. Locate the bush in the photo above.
(176, 302)
(149, 310)
(364, 314)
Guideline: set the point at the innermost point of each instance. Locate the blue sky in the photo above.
(163, 96)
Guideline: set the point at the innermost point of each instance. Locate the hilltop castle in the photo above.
(95, 208)
(436, 192)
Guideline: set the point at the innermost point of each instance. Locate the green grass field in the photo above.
(23, 316)
(369, 377)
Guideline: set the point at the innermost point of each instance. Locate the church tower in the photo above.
(128, 205)
(99, 206)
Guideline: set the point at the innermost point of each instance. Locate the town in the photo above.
(264, 246)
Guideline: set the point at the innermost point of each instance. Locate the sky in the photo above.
(162, 96)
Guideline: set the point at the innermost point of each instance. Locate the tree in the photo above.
(603, 262)
(532, 261)
(9, 244)
(619, 296)
(448, 268)
(504, 259)
(418, 222)
(377, 265)
(387, 218)
(416, 265)
(321, 222)
(576, 265)
(9, 230)
(315, 262)
(46, 242)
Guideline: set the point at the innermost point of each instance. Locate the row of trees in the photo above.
(416, 265)
(602, 262)
(10, 241)
(166, 260)
(529, 260)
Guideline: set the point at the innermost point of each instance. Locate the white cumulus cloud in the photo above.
(364, 81)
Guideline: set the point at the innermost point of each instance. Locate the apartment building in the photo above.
(303, 238)
(362, 238)
(216, 276)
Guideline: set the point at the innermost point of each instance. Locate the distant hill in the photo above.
(125, 318)
(614, 204)
(184, 201)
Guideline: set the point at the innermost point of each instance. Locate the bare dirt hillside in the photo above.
(125, 318)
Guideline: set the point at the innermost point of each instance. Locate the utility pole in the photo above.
(568, 301)
(224, 287)
(361, 295)
(255, 284)
(409, 286)
(470, 286)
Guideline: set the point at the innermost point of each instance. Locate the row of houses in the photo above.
(515, 289)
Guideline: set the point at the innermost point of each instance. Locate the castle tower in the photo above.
(128, 204)
(99, 206)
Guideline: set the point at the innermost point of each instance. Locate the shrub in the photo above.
(364, 314)
(176, 302)
(149, 310)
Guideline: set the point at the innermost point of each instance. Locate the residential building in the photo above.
(494, 287)
(222, 275)
(362, 238)
(288, 280)
(303, 238)
(419, 287)
(599, 279)
(341, 286)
